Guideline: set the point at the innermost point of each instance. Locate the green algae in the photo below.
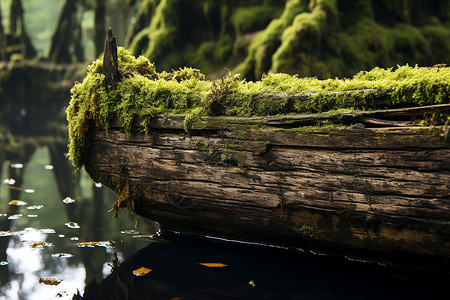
(142, 93)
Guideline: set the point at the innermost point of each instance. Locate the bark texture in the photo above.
(110, 60)
(367, 186)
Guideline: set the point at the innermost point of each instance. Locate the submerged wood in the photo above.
(376, 183)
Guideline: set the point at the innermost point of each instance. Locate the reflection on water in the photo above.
(52, 245)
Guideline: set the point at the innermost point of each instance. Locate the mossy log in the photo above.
(359, 184)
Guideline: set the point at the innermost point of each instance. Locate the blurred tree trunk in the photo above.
(66, 41)
(2, 38)
(100, 26)
(17, 29)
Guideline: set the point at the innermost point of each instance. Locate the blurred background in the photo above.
(323, 38)
(45, 47)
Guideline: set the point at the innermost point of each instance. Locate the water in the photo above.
(44, 235)
(56, 236)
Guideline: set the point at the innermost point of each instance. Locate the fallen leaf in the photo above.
(142, 271)
(68, 200)
(252, 283)
(72, 225)
(214, 265)
(10, 233)
(49, 280)
(17, 202)
(36, 244)
(62, 255)
(106, 244)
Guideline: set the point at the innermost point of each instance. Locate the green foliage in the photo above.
(142, 92)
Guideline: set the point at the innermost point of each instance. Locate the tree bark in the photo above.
(377, 189)
(110, 61)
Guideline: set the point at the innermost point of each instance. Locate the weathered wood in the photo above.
(266, 179)
(110, 61)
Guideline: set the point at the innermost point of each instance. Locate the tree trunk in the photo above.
(2, 38)
(100, 26)
(18, 31)
(68, 34)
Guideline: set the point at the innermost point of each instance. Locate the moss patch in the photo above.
(142, 92)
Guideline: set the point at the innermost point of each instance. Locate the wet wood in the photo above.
(110, 61)
(271, 180)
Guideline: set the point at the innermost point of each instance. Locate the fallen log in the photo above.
(373, 182)
(383, 189)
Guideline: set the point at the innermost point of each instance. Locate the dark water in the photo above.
(43, 242)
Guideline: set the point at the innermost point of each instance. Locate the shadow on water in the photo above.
(256, 272)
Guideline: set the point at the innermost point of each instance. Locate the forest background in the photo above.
(323, 38)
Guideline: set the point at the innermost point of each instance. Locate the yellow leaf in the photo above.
(50, 280)
(142, 271)
(214, 265)
(17, 202)
(252, 283)
(37, 244)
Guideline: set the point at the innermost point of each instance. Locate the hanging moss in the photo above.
(142, 92)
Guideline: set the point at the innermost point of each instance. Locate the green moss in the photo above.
(142, 92)
(308, 230)
(253, 18)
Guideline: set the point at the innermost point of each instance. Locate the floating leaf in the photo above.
(214, 265)
(106, 244)
(17, 203)
(252, 283)
(29, 191)
(33, 207)
(62, 255)
(74, 238)
(49, 280)
(142, 271)
(130, 231)
(48, 167)
(73, 225)
(32, 216)
(36, 244)
(145, 236)
(15, 217)
(10, 233)
(68, 200)
(3, 263)
(9, 181)
(47, 230)
(17, 166)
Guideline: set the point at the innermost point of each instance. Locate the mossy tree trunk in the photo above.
(324, 38)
